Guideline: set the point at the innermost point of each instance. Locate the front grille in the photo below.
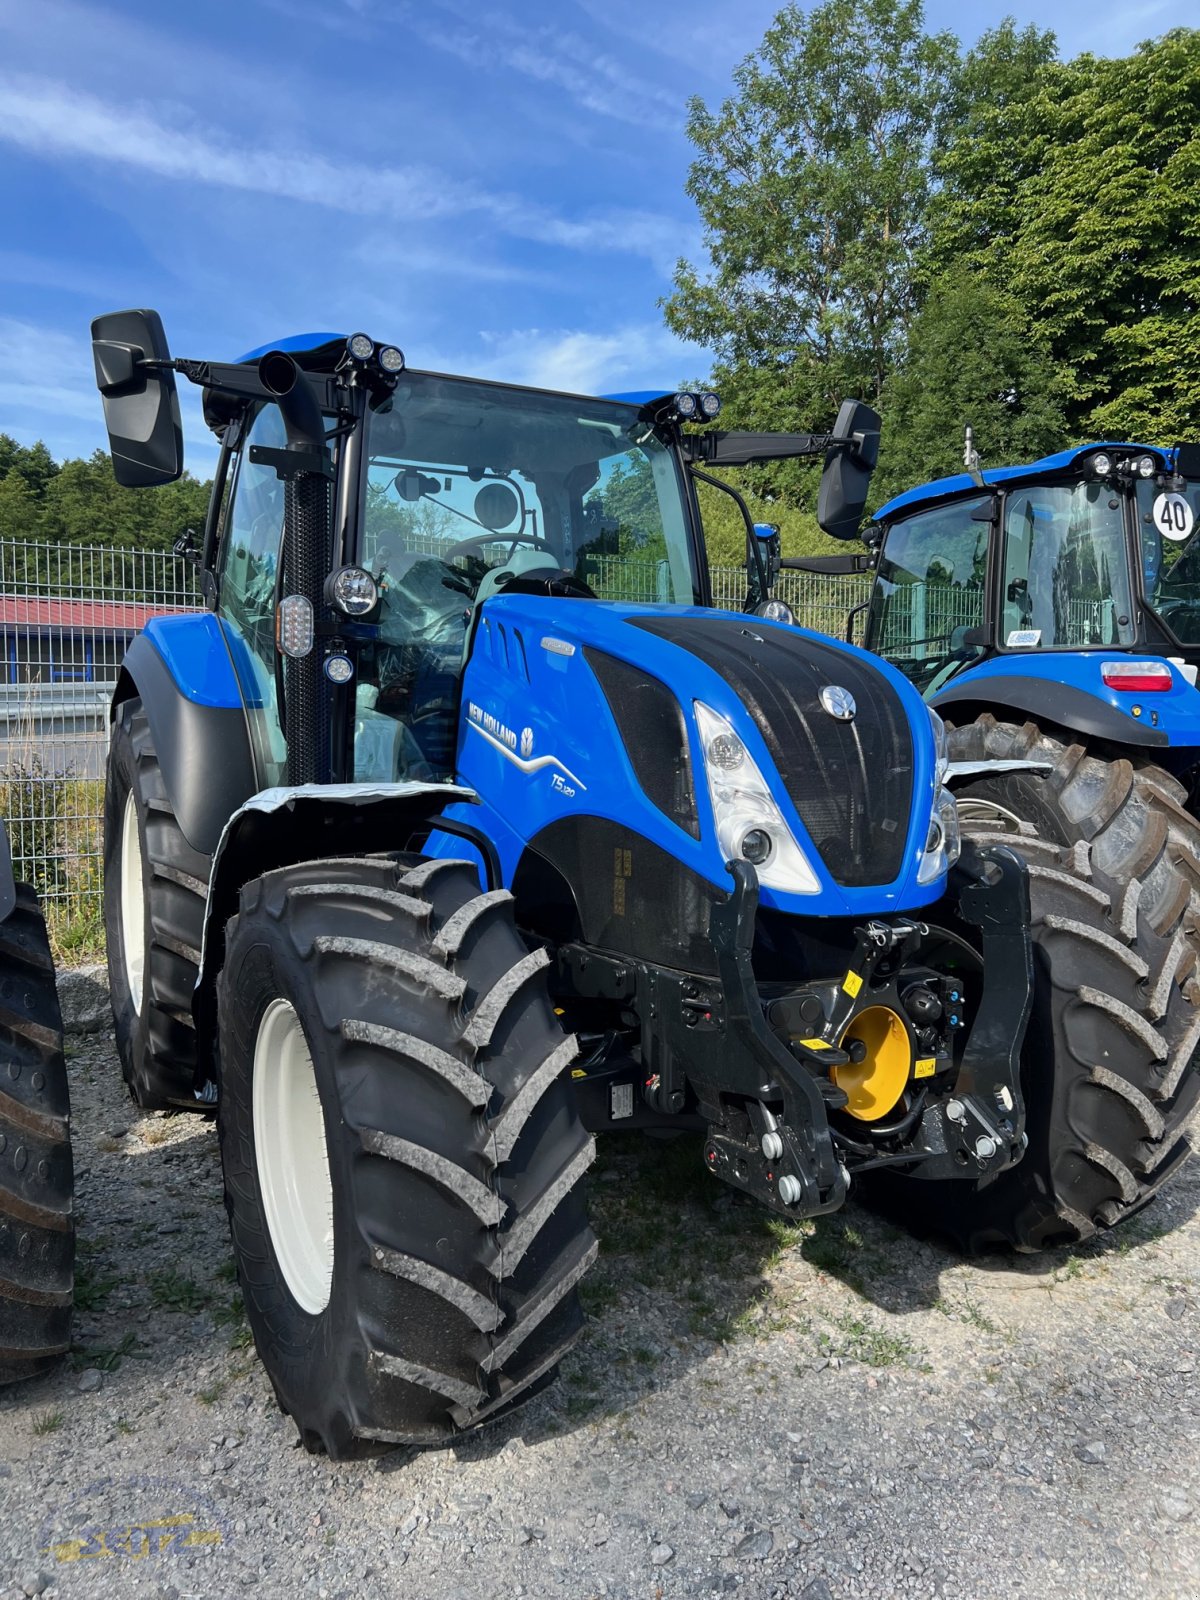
(850, 782)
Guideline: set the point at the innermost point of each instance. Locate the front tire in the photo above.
(402, 1154)
(1110, 1058)
(155, 887)
(37, 1221)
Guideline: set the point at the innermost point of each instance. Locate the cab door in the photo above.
(248, 565)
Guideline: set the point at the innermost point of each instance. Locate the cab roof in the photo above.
(299, 344)
(963, 483)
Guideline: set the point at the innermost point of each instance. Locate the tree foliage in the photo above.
(80, 502)
(812, 183)
(1079, 194)
(991, 236)
(974, 357)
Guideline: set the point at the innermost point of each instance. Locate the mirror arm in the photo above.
(741, 449)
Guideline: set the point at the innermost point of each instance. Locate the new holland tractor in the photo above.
(37, 1221)
(1051, 614)
(459, 826)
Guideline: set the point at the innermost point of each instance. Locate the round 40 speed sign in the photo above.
(1173, 516)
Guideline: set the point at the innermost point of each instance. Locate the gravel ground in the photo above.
(822, 1411)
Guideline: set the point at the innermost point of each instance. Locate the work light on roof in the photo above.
(361, 346)
(1147, 466)
(686, 405)
(391, 359)
(710, 404)
(1102, 464)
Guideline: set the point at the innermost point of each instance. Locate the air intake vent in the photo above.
(652, 727)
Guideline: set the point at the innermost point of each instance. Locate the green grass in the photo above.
(47, 1421)
(93, 1287)
(859, 1339)
(106, 1357)
(172, 1290)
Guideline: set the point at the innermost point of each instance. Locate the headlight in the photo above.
(750, 826)
(775, 611)
(943, 843)
(352, 590)
(1147, 466)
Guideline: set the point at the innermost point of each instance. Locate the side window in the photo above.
(248, 562)
(930, 592)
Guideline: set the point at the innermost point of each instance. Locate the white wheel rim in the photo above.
(292, 1157)
(133, 904)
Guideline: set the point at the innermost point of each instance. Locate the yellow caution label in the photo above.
(815, 1044)
(578, 1072)
(924, 1067)
(852, 983)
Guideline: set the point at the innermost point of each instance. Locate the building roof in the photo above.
(107, 616)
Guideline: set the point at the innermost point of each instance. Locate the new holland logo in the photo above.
(838, 702)
(526, 743)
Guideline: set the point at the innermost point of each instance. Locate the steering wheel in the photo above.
(467, 547)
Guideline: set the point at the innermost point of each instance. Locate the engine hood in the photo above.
(605, 694)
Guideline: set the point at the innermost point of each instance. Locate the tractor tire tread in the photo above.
(463, 1153)
(37, 1180)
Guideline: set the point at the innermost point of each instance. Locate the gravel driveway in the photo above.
(822, 1411)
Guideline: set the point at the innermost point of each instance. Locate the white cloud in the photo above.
(637, 356)
(597, 82)
(53, 120)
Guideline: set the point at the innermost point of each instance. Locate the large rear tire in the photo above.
(403, 1157)
(1110, 1059)
(37, 1223)
(155, 887)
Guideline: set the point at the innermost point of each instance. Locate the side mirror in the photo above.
(141, 407)
(846, 480)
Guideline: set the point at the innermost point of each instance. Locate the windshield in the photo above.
(1169, 523)
(929, 594)
(473, 486)
(1065, 583)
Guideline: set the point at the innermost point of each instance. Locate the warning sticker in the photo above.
(815, 1044)
(1173, 516)
(852, 983)
(925, 1067)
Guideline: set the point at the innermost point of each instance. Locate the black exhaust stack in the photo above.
(305, 467)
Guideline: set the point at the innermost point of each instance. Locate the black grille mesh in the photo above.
(851, 782)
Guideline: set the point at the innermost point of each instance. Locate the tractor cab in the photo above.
(1095, 549)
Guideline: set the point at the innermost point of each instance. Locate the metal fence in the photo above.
(67, 615)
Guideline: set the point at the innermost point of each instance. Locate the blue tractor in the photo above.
(459, 826)
(1050, 613)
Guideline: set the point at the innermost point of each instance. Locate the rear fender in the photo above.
(1053, 703)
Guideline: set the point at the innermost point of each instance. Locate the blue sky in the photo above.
(497, 187)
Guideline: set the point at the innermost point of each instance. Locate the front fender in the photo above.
(278, 827)
(180, 668)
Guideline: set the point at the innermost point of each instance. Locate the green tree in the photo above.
(812, 183)
(973, 358)
(1079, 197)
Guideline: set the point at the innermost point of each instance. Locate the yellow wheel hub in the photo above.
(874, 1084)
